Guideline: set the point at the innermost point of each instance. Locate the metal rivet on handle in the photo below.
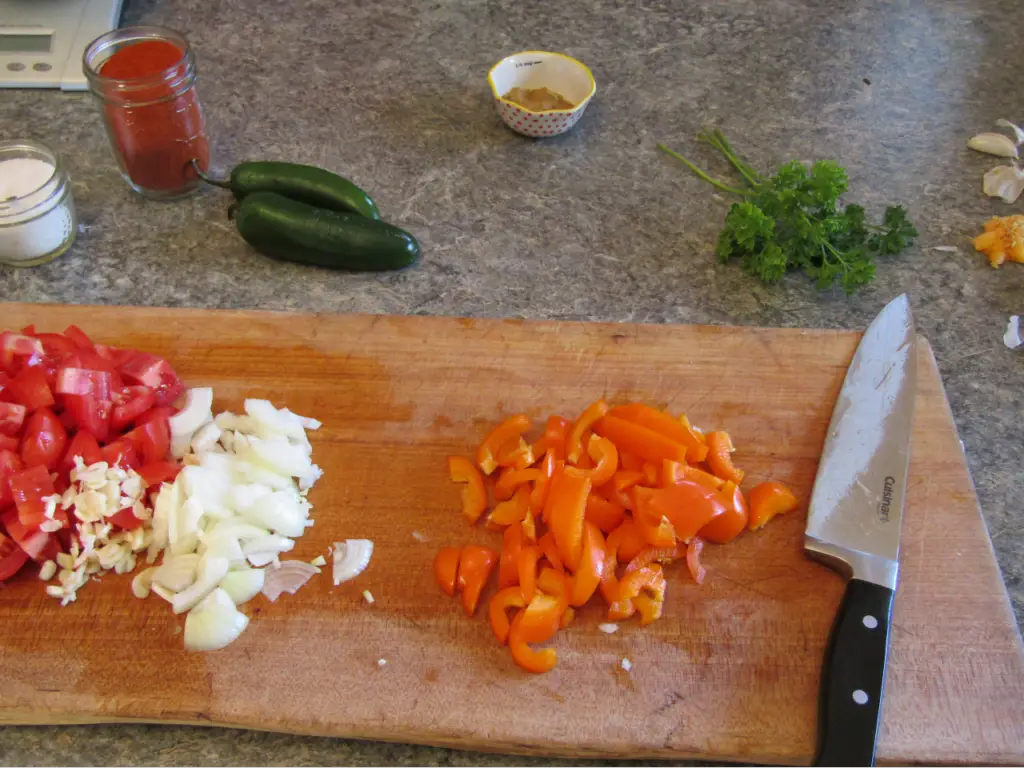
(870, 622)
(859, 697)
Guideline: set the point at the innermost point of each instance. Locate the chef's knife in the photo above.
(853, 526)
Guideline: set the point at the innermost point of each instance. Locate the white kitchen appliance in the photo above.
(42, 41)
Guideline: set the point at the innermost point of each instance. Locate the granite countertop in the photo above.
(594, 225)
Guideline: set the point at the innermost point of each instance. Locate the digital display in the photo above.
(26, 43)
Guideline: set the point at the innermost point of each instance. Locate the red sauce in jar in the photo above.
(157, 129)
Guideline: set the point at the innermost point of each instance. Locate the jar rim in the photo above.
(42, 152)
(133, 34)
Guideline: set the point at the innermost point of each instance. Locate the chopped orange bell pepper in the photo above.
(574, 444)
(620, 610)
(446, 569)
(687, 506)
(673, 472)
(509, 430)
(510, 597)
(645, 443)
(556, 432)
(526, 566)
(550, 550)
(540, 619)
(696, 432)
(568, 617)
(656, 555)
(655, 527)
(733, 520)
(529, 526)
(474, 494)
(649, 609)
(630, 461)
(605, 514)
(625, 479)
(693, 550)
(475, 565)
(555, 583)
(652, 474)
(585, 461)
(542, 483)
(508, 565)
(768, 500)
(526, 657)
(626, 541)
(517, 453)
(591, 568)
(664, 424)
(511, 478)
(650, 579)
(720, 457)
(512, 511)
(566, 508)
(606, 459)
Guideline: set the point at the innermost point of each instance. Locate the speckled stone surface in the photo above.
(593, 225)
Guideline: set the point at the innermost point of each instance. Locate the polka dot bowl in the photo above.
(541, 69)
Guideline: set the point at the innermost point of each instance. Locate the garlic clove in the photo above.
(1018, 132)
(993, 144)
(1005, 182)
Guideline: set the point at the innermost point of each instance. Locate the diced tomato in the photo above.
(77, 337)
(129, 404)
(28, 489)
(9, 443)
(125, 519)
(89, 413)
(152, 439)
(83, 444)
(16, 348)
(121, 452)
(10, 463)
(56, 346)
(29, 330)
(156, 472)
(160, 412)
(6, 393)
(44, 440)
(38, 545)
(31, 389)
(83, 381)
(155, 373)
(12, 557)
(12, 417)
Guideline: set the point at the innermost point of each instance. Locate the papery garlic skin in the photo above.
(1005, 182)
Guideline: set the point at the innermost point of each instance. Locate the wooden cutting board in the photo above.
(731, 672)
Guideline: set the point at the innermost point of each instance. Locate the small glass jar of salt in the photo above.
(37, 212)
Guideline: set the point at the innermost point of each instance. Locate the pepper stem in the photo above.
(215, 182)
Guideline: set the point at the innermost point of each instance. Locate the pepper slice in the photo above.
(526, 566)
(510, 597)
(475, 565)
(512, 511)
(645, 443)
(517, 454)
(510, 479)
(604, 513)
(574, 443)
(556, 432)
(655, 527)
(720, 451)
(649, 609)
(693, 550)
(591, 568)
(555, 583)
(656, 554)
(508, 564)
(550, 551)
(626, 541)
(529, 527)
(650, 579)
(509, 430)
(539, 621)
(733, 520)
(566, 508)
(474, 495)
(768, 500)
(664, 424)
(689, 507)
(446, 569)
(543, 660)
(543, 482)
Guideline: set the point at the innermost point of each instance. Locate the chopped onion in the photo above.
(282, 422)
(206, 437)
(241, 497)
(608, 628)
(291, 575)
(243, 585)
(351, 558)
(280, 456)
(225, 546)
(270, 543)
(208, 575)
(186, 532)
(197, 411)
(281, 511)
(143, 583)
(214, 623)
(177, 573)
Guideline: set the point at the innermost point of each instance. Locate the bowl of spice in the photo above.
(539, 93)
(144, 79)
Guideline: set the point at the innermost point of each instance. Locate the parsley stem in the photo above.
(717, 140)
(699, 172)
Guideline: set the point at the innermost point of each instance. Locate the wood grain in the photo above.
(731, 672)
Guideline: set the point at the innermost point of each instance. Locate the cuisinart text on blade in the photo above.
(853, 526)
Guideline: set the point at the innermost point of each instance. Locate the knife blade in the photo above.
(853, 526)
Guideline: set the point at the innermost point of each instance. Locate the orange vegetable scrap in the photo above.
(595, 508)
(1003, 239)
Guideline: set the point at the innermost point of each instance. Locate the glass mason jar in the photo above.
(37, 211)
(145, 81)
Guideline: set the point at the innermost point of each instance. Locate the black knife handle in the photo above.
(853, 676)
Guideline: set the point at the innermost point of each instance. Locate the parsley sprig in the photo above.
(793, 221)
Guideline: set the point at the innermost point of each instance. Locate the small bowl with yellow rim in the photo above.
(539, 93)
